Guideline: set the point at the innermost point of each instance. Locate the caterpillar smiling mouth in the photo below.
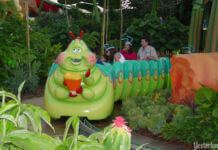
(76, 60)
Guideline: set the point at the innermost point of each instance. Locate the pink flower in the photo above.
(128, 129)
(119, 122)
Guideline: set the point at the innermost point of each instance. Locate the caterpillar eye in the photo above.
(79, 50)
(74, 50)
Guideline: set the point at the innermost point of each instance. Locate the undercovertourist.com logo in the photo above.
(205, 146)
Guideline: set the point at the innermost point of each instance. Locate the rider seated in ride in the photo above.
(146, 52)
(128, 52)
(113, 55)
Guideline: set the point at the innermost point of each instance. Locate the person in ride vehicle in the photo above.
(113, 55)
(146, 52)
(128, 52)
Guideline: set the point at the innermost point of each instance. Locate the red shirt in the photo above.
(128, 56)
(47, 6)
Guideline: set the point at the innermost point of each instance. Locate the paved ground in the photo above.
(59, 126)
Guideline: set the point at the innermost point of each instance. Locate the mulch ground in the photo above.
(147, 133)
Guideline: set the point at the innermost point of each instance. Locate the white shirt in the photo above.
(121, 59)
(147, 52)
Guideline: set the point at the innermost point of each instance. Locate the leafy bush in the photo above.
(92, 39)
(14, 55)
(56, 26)
(172, 35)
(15, 119)
(172, 121)
(6, 7)
(149, 111)
(15, 58)
(202, 126)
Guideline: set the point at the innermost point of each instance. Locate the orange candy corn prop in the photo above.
(72, 81)
(188, 71)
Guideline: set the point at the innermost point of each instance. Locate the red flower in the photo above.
(119, 122)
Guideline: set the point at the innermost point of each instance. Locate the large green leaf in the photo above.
(205, 95)
(84, 138)
(44, 142)
(20, 90)
(76, 132)
(9, 95)
(43, 114)
(67, 127)
(97, 136)
(3, 148)
(72, 120)
(22, 122)
(90, 146)
(9, 118)
(24, 143)
(8, 106)
(61, 147)
(215, 112)
(34, 118)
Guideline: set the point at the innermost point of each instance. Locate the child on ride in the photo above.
(113, 55)
(128, 52)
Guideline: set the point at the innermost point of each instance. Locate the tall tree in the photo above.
(155, 6)
(27, 32)
(103, 29)
(107, 20)
(212, 34)
(121, 23)
(196, 22)
(96, 14)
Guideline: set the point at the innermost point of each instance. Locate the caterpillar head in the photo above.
(77, 57)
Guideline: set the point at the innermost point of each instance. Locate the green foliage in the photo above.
(115, 43)
(5, 7)
(92, 39)
(201, 126)
(15, 58)
(171, 121)
(169, 36)
(56, 26)
(14, 54)
(180, 115)
(16, 134)
(15, 119)
(149, 111)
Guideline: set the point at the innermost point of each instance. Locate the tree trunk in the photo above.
(155, 7)
(96, 14)
(212, 38)
(27, 32)
(121, 24)
(103, 29)
(107, 21)
(196, 22)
